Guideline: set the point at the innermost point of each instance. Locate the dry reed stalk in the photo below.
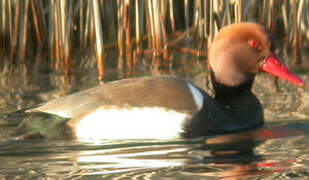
(99, 38)
(41, 13)
(163, 7)
(50, 39)
(270, 14)
(157, 23)
(172, 18)
(38, 27)
(15, 22)
(211, 23)
(138, 17)
(157, 29)
(295, 42)
(300, 12)
(264, 12)
(148, 28)
(285, 17)
(165, 42)
(57, 35)
(240, 11)
(42, 23)
(197, 23)
(63, 19)
(139, 12)
(10, 20)
(120, 32)
(272, 17)
(186, 4)
(127, 25)
(228, 12)
(87, 24)
(91, 29)
(24, 35)
(206, 20)
(81, 23)
(67, 40)
(65, 35)
(151, 24)
(3, 32)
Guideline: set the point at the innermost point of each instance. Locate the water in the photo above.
(279, 150)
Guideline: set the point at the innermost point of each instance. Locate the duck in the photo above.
(164, 107)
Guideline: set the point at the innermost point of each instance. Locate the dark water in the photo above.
(279, 150)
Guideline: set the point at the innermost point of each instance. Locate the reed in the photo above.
(172, 16)
(295, 41)
(139, 28)
(24, 30)
(57, 28)
(3, 29)
(120, 33)
(99, 38)
(127, 29)
(38, 22)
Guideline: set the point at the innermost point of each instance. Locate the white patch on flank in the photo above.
(131, 123)
(197, 95)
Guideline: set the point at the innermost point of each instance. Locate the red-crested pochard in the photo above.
(167, 107)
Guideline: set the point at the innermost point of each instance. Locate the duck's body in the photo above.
(167, 107)
(152, 107)
(162, 92)
(149, 107)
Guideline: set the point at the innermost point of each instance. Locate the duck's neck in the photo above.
(224, 93)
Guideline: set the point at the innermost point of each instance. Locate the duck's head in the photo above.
(241, 50)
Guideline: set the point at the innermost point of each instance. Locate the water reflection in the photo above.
(280, 150)
(231, 156)
(225, 156)
(134, 158)
(239, 155)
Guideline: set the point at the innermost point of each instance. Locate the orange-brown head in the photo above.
(240, 50)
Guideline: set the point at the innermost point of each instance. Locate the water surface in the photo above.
(279, 150)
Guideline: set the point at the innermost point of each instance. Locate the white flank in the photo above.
(197, 95)
(131, 123)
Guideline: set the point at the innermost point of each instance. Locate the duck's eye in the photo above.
(253, 43)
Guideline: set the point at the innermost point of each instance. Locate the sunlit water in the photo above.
(279, 150)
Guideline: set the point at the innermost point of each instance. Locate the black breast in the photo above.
(235, 114)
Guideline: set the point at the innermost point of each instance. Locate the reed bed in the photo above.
(55, 30)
